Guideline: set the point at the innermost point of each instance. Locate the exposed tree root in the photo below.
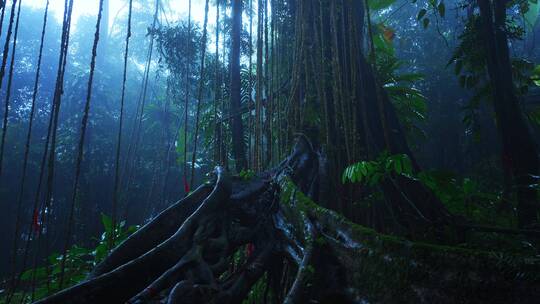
(273, 231)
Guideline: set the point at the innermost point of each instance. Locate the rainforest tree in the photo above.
(236, 116)
(327, 199)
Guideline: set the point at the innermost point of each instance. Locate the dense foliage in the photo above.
(424, 114)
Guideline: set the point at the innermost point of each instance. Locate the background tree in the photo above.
(237, 129)
(388, 113)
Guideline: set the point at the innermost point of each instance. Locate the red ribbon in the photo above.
(249, 249)
(186, 186)
(35, 220)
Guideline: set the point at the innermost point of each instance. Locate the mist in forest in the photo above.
(256, 151)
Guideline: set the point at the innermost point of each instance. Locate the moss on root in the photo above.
(389, 269)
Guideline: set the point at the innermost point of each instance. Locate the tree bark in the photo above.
(104, 36)
(237, 126)
(519, 151)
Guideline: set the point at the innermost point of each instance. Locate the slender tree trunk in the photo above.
(519, 152)
(219, 156)
(104, 36)
(237, 126)
(257, 161)
(268, 90)
(250, 75)
(199, 93)
(186, 104)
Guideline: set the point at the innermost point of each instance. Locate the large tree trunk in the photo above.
(237, 127)
(360, 119)
(304, 253)
(519, 151)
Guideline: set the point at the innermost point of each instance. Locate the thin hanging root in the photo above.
(80, 147)
(29, 133)
(302, 275)
(199, 93)
(153, 233)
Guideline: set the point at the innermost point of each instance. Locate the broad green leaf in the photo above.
(356, 174)
(348, 174)
(41, 273)
(536, 75)
(344, 176)
(100, 252)
(77, 251)
(382, 45)
(425, 22)
(371, 168)
(442, 9)
(407, 165)
(53, 258)
(398, 167)
(353, 173)
(534, 116)
(421, 14)
(107, 222)
(57, 269)
(389, 164)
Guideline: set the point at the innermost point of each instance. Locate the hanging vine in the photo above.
(33, 227)
(116, 189)
(41, 218)
(199, 93)
(186, 103)
(257, 161)
(129, 168)
(3, 71)
(4, 131)
(218, 141)
(80, 148)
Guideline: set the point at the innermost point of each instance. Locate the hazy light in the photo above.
(175, 9)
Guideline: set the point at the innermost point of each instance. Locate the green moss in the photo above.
(400, 263)
(305, 204)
